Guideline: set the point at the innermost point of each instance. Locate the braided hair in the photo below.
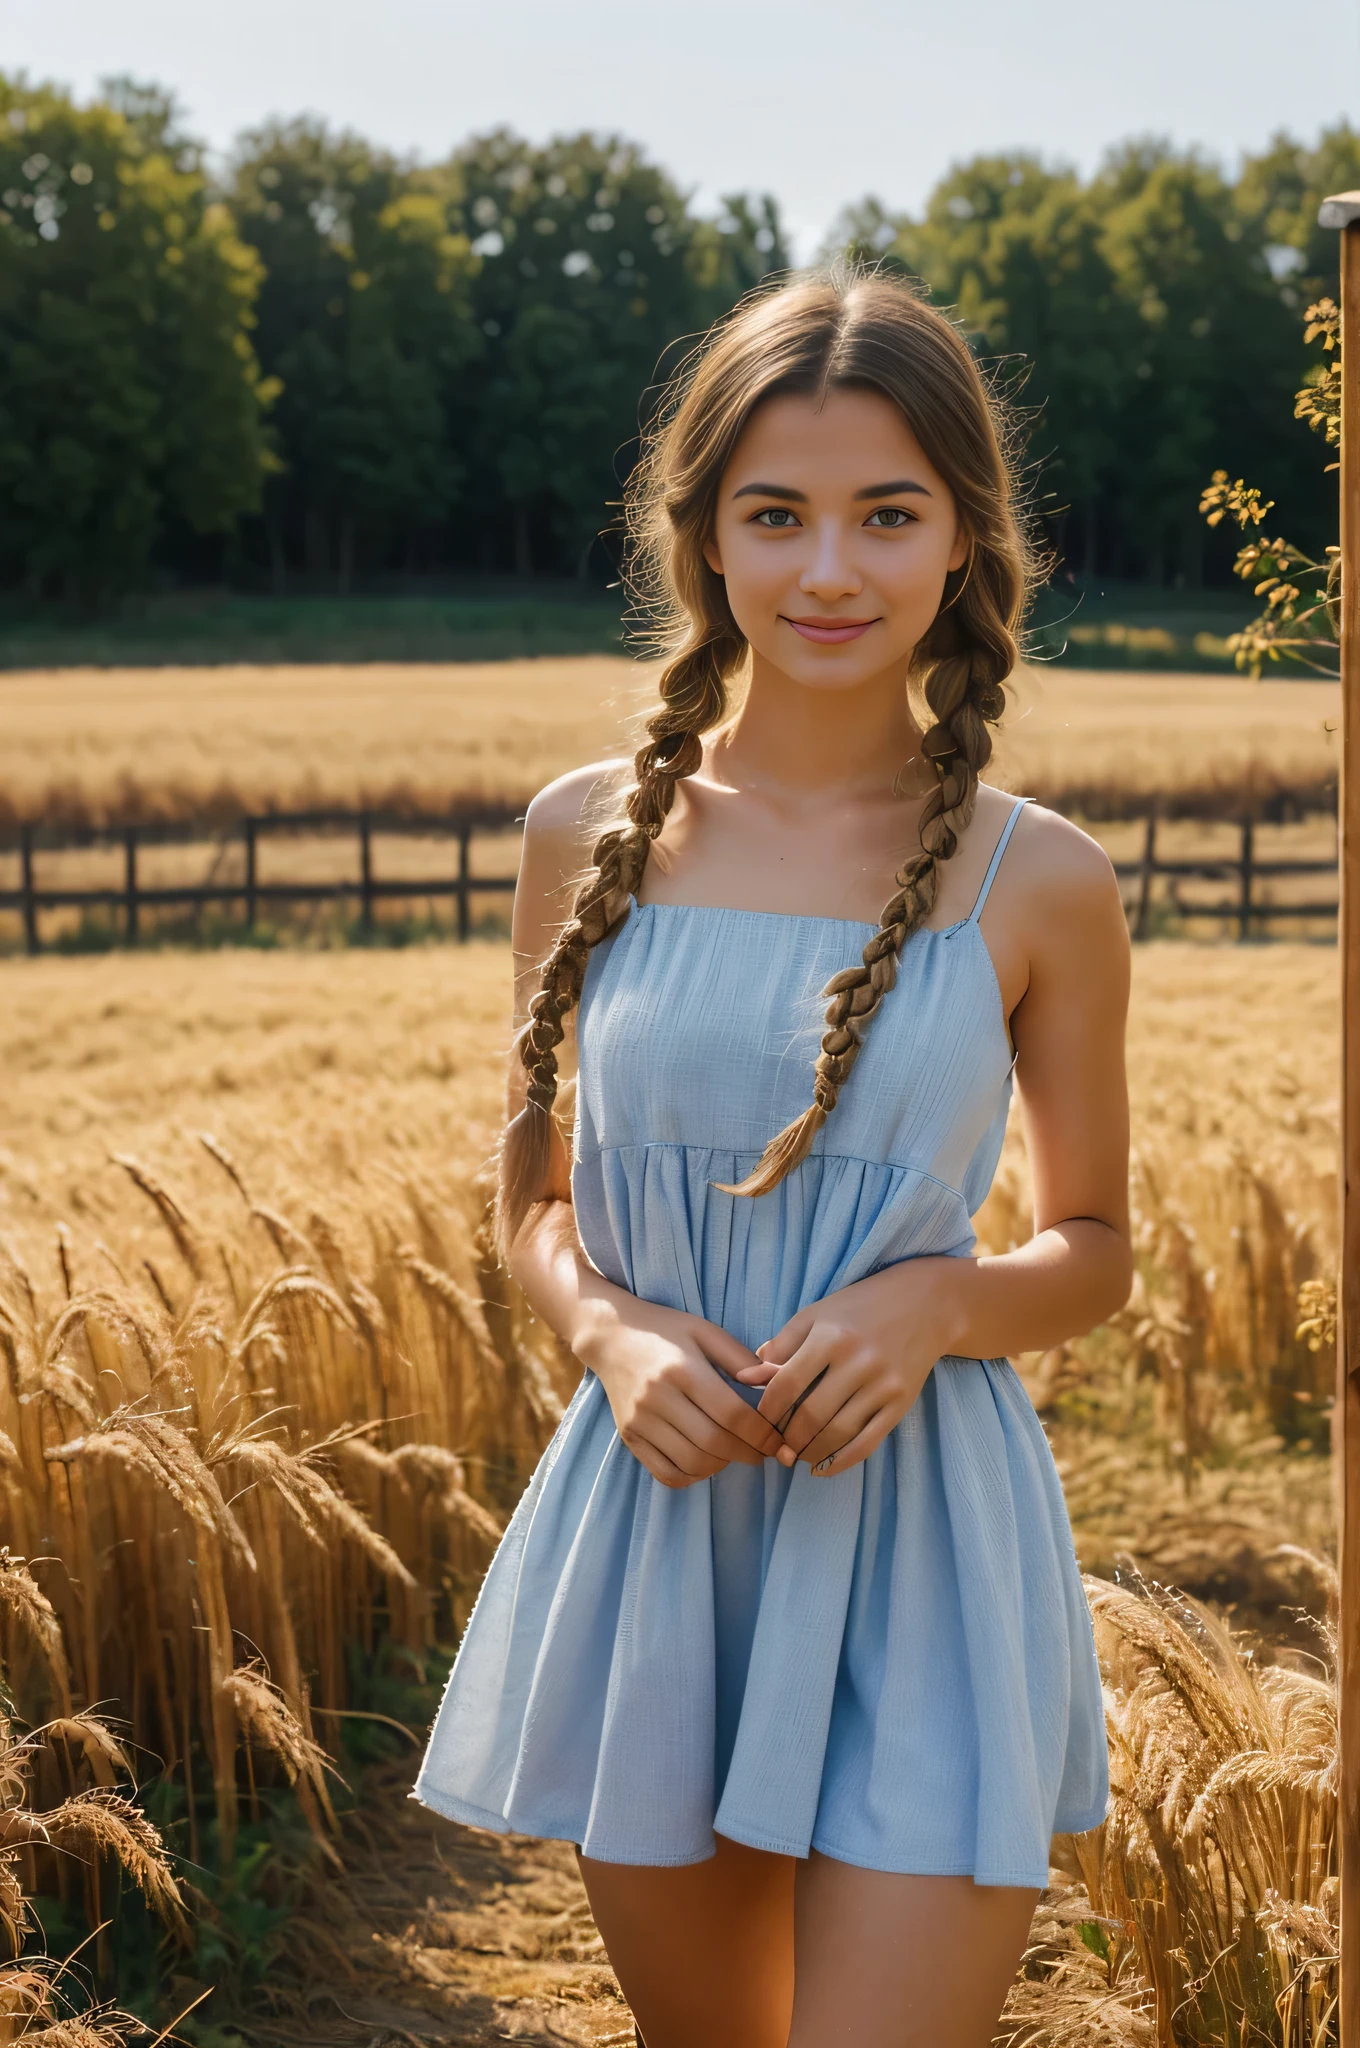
(865, 330)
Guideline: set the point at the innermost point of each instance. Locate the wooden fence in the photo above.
(367, 889)
(1242, 906)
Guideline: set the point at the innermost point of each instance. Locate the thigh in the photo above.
(902, 1962)
(704, 1953)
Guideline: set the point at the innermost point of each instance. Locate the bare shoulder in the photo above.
(562, 819)
(1060, 872)
(560, 827)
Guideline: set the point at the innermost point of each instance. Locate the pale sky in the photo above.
(819, 103)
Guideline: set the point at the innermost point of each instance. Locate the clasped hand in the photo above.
(836, 1379)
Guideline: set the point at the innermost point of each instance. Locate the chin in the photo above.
(848, 667)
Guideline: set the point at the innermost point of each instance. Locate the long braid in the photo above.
(964, 690)
(693, 689)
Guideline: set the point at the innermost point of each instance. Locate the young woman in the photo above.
(787, 1634)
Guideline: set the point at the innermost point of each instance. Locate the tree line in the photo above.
(319, 362)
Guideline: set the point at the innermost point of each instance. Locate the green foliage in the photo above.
(480, 626)
(364, 320)
(592, 267)
(1094, 1937)
(1301, 619)
(130, 396)
(1279, 193)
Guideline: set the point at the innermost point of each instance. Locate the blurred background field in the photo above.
(186, 753)
(1105, 623)
(107, 746)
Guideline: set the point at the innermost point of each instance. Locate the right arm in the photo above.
(674, 1411)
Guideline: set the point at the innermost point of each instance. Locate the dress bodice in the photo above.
(697, 1037)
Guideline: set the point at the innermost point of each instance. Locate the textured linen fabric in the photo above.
(895, 1665)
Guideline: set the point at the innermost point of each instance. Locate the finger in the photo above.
(858, 1448)
(717, 1400)
(693, 1423)
(854, 1414)
(793, 1380)
(825, 1399)
(779, 1349)
(756, 1375)
(680, 1448)
(722, 1347)
(651, 1460)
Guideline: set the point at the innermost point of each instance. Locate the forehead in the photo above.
(849, 435)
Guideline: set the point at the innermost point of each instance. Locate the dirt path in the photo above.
(437, 1934)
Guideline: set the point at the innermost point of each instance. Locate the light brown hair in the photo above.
(876, 333)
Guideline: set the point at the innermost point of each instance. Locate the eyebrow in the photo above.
(899, 487)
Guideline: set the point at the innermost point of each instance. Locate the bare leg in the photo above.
(902, 1962)
(704, 1953)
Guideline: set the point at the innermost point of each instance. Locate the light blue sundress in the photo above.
(894, 1665)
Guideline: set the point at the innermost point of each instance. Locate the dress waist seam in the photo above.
(583, 1152)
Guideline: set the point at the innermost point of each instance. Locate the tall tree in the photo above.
(1217, 350)
(1017, 248)
(593, 270)
(130, 395)
(364, 320)
(1278, 193)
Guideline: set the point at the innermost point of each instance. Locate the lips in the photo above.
(830, 632)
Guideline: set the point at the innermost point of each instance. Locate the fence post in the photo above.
(366, 869)
(1244, 910)
(30, 903)
(1145, 874)
(130, 882)
(464, 919)
(252, 901)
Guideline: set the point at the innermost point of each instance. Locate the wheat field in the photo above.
(266, 1398)
(102, 746)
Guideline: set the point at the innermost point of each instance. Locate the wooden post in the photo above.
(130, 883)
(252, 882)
(26, 883)
(464, 916)
(1343, 211)
(1245, 870)
(1145, 874)
(366, 870)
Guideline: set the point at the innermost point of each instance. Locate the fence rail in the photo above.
(368, 889)
(1243, 906)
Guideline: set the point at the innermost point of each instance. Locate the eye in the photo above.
(777, 516)
(891, 516)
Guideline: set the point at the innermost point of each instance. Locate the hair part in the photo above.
(858, 329)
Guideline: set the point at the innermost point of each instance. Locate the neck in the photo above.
(839, 742)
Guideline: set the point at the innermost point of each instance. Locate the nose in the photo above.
(830, 572)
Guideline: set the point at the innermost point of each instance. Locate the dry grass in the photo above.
(95, 746)
(264, 1396)
(88, 1823)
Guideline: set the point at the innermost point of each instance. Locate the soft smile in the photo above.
(830, 631)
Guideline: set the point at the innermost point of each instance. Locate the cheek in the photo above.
(757, 576)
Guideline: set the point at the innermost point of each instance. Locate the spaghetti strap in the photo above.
(1001, 846)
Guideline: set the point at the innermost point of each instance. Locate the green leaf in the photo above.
(1095, 1938)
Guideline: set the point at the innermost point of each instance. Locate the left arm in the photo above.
(861, 1356)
